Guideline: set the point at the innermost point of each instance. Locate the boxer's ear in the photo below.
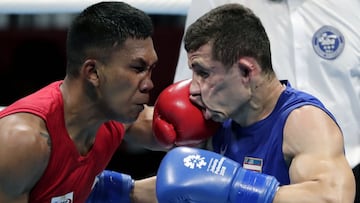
(90, 70)
(246, 66)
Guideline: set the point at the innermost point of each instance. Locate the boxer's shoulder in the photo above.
(24, 128)
(24, 134)
(25, 151)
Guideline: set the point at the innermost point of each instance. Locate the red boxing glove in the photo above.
(177, 121)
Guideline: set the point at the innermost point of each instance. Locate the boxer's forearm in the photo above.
(144, 191)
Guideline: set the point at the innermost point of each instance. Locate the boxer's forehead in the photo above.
(138, 50)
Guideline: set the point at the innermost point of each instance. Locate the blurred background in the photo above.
(32, 54)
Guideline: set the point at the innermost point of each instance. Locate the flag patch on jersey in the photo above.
(253, 164)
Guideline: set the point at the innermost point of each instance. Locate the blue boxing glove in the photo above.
(198, 176)
(111, 186)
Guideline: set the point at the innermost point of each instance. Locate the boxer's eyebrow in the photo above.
(196, 65)
(200, 66)
(143, 62)
(200, 70)
(141, 65)
(139, 61)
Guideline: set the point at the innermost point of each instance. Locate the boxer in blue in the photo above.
(276, 144)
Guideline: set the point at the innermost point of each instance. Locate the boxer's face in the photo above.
(126, 80)
(218, 89)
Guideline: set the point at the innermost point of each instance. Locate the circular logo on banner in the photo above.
(328, 42)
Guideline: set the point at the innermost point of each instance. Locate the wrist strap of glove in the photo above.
(251, 186)
(112, 186)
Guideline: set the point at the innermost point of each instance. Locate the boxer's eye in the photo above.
(200, 70)
(139, 69)
(202, 74)
(138, 65)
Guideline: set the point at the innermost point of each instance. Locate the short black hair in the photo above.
(102, 28)
(234, 31)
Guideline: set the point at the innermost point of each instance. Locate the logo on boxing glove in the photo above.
(215, 166)
(193, 161)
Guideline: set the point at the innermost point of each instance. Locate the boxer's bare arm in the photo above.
(140, 132)
(319, 171)
(144, 191)
(24, 154)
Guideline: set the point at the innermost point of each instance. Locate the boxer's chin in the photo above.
(135, 112)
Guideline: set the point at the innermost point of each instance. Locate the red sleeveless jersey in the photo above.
(69, 176)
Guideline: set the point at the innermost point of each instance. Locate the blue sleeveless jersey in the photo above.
(258, 147)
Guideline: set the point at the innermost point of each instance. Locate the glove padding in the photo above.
(177, 121)
(111, 186)
(199, 176)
